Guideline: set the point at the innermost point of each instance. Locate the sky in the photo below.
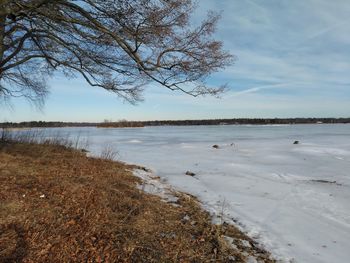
(292, 60)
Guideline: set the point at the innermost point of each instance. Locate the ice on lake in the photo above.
(293, 198)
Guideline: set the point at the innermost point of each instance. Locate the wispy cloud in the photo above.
(258, 89)
(326, 30)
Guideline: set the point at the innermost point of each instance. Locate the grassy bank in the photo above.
(57, 205)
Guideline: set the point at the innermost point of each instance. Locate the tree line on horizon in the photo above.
(125, 123)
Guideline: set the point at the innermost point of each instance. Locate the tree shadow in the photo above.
(13, 247)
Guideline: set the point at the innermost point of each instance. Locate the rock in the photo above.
(215, 146)
(143, 169)
(324, 181)
(190, 173)
(296, 142)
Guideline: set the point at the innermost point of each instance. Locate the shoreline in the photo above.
(255, 181)
(75, 194)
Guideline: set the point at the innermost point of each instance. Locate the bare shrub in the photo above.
(109, 153)
(5, 135)
(38, 136)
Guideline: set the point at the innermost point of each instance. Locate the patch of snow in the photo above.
(186, 218)
(265, 184)
(246, 243)
(251, 259)
(135, 141)
(152, 185)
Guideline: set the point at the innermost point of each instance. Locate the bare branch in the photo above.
(117, 45)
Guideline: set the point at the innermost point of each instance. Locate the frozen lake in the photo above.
(293, 198)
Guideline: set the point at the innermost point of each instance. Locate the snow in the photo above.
(292, 198)
(153, 185)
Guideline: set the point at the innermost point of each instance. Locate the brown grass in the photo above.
(57, 205)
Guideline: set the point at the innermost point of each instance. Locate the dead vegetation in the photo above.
(57, 205)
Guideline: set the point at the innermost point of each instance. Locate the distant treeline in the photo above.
(248, 121)
(121, 124)
(51, 124)
(37, 124)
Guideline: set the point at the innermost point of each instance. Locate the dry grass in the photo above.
(57, 205)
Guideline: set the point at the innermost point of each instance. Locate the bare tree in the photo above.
(118, 45)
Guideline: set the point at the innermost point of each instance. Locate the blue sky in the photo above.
(292, 61)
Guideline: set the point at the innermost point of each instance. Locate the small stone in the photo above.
(215, 146)
(145, 169)
(190, 173)
(296, 142)
(42, 196)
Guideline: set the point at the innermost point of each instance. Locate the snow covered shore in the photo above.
(293, 198)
